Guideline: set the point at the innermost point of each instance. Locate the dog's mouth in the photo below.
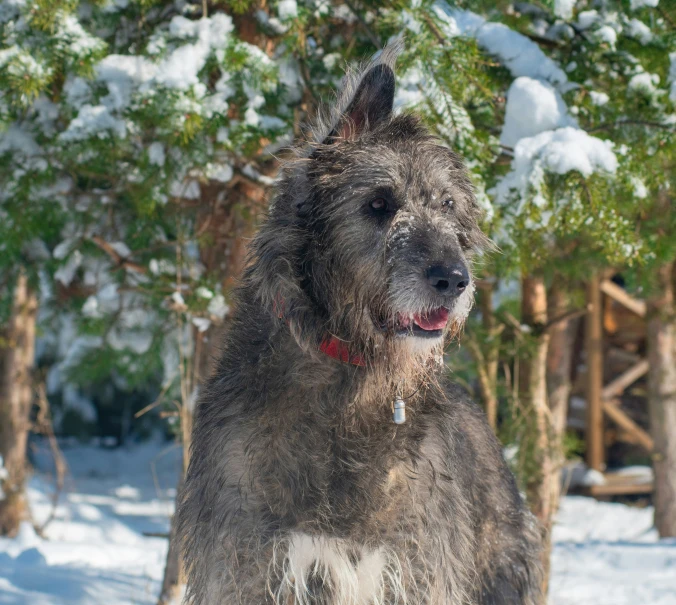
(430, 324)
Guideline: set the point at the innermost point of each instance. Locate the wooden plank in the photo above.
(620, 295)
(619, 417)
(618, 386)
(620, 489)
(593, 343)
(618, 484)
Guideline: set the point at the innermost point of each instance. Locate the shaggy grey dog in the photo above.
(302, 489)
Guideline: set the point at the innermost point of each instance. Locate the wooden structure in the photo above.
(603, 400)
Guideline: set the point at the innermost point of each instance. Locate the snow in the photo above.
(201, 323)
(287, 9)
(120, 74)
(218, 307)
(609, 554)
(17, 139)
(66, 272)
(556, 151)
(137, 340)
(606, 34)
(636, 4)
(156, 154)
(644, 82)
(538, 126)
(181, 68)
(516, 52)
(121, 248)
(93, 120)
(672, 76)
(599, 98)
(124, 74)
(71, 35)
(564, 8)
(177, 297)
(640, 189)
(638, 472)
(189, 190)
(95, 550)
(204, 292)
(220, 172)
(639, 30)
(21, 64)
(533, 106)
(9, 9)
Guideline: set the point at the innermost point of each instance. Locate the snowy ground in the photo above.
(96, 551)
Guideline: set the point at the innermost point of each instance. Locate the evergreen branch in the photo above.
(665, 15)
(633, 123)
(442, 42)
(546, 42)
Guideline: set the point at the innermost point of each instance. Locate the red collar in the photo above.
(337, 349)
(331, 345)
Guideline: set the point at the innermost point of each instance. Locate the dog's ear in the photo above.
(365, 101)
(372, 104)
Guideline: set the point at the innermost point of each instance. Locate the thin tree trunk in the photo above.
(594, 353)
(489, 386)
(559, 372)
(662, 398)
(533, 395)
(17, 352)
(173, 574)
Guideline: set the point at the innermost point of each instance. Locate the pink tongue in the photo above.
(436, 320)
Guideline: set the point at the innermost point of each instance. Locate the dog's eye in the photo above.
(448, 203)
(379, 205)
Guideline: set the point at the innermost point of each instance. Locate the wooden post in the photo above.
(594, 336)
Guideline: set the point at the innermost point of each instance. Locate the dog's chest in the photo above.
(332, 570)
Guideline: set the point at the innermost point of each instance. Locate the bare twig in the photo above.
(43, 425)
(155, 403)
(119, 260)
(567, 316)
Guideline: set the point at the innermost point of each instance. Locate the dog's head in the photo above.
(371, 235)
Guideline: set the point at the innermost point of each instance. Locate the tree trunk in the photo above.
(594, 353)
(489, 372)
(559, 384)
(17, 352)
(662, 398)
(533, 396)
(173, 574)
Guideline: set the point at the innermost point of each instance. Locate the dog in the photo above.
(333, 461)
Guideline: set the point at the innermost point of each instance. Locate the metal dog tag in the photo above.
(399, 411)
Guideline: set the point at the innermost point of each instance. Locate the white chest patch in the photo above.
(351, 575)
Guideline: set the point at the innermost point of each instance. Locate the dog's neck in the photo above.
(330, 345)
(388, 358)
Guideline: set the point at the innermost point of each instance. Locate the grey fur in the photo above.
(301, 489)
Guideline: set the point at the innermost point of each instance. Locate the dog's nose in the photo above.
(448, 280)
